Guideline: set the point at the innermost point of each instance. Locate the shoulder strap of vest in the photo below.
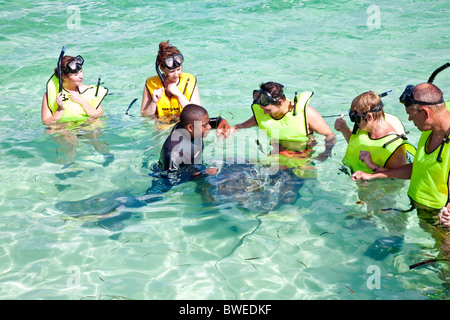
(303, 103)
(52, 92)
(191, 82)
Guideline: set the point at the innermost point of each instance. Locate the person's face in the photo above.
(205, 126)
(270, 109)
(417, 116)
(173, 74)
(75, 78)
(200, 127)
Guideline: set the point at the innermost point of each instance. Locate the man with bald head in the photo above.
(429, 172)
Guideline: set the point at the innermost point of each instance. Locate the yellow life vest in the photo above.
(380, 149)
(170, 106)
(447, 105)
(290, 127)
(72, 110)
(429, 178)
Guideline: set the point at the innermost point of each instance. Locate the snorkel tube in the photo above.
(61, 55)
(438, 70)
(407, 98)
(161, 76)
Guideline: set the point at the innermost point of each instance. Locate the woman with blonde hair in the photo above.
(378, 139)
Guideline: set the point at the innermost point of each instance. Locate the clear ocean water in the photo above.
(68, 225)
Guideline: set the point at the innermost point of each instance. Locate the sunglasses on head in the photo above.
(74, 66)
(356, 117)
(174, 61)
(407, 98)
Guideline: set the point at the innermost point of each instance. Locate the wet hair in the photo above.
(365, 102)
(275, 89)
(191, 113)
(165, 50)
(64, 62)
(428, 92)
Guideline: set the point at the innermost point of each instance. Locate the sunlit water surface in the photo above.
(73, 226)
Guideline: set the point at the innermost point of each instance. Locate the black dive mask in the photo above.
(74, 66)
(407, 98)
(356, 117)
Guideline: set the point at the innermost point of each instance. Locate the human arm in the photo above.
(221, 125)
(317, 124)
(46, 115)
(246, 124)
(173, 89)
(341, 125)
(148, 106)
(397, 159)
(444, 215)
(76, 97)
(403, 172)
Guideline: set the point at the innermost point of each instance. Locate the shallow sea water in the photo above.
(70, 225)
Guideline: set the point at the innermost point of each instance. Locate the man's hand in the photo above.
(223, 128)
(444, 216)
(360, 175)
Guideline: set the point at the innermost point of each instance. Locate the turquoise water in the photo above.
(55, 244)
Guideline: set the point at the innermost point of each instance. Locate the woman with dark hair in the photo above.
(73, 102)
(167, 93)
(289, 122)
(68, 111)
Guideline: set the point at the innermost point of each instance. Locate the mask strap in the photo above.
(445, 140)
(295, 103)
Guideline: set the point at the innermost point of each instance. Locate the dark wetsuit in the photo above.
(181, 150)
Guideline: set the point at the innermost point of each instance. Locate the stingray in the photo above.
(247, 186)
(382, 247)
(250, 187)
(107, 210)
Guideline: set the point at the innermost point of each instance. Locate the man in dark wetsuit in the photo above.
(183, 148)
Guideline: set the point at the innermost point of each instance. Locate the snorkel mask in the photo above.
(171, 62)
(264, 98)
(407, 98)
(74, 66)
(174, 61)
(356, 117)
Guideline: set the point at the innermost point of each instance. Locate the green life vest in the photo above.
(290, 127)
(72, 110)
(429, 178)
(380, 149)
